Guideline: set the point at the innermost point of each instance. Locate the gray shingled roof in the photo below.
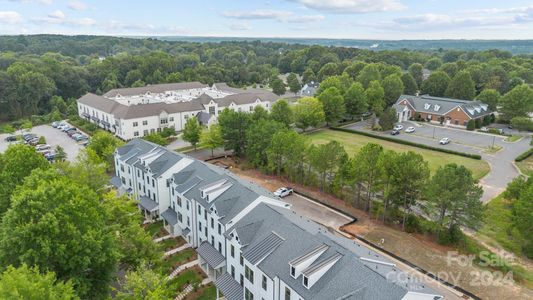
(348, 276)
(170, 216)
(441, 106)
(164, 162)
(211, 256)
(156, 88)
(256, 253)
(147, 203)
(229, 287)
(203, 117)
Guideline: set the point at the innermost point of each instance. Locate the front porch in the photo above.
(149, 208)
(210, 260)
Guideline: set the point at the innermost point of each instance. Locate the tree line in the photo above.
(33, 69)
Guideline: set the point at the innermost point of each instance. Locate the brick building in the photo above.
(446, 111)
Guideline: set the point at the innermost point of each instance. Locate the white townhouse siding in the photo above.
(135, 112)
(251, 244)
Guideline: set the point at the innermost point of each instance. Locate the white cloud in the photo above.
(352, 6)
(240, 26)
(10, 17)
(77, 5)
(267, 14)
(57, 15)
(118, 27)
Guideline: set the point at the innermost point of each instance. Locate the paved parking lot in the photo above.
(54, 137)
(502, 165)
(317, 212)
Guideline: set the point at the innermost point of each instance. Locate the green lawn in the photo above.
(154, 228)
(353, 142)
(208, 292)
(189, 276)
(497, 224)
(526, 166)
(173, 261)
(513, 138)
(170, 244)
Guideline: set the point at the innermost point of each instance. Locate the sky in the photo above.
(346, 19)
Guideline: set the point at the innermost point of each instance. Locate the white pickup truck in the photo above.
(283, 192)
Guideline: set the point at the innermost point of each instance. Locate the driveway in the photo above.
(54, 137)
(501, 163)
(317, 212)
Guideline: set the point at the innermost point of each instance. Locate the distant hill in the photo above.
(513, 46)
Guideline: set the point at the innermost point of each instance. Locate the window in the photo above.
(248, 295)
(205, 230)
(187, 204)
(220, 247)
(251, 108)
(232, 251)
(152, 130)
(213, 241)
(122, 168)
(219, 228)
(164, 121)
(135, 133)
(241, 259)
(199, 210)
(153, 182)
(199, 226)
(205, 214)
(188, 221)
(264, 283)
(145, 132)
(287, 293)
(171, 119)
(233, 271)
(212, 110)
(145, 123)
(242, 280)
(212, 223)
(306, 281)
(179, 201)
(135, 124)
(186, 117)
(293, 272)
(179, 217)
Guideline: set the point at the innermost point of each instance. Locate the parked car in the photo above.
(444, 141)
(283, 192)
(398, 127)
(395, 132)
(80, 137)
(56, 124)
(68, 128)
(11, 138)
(85, 143)
(50, 155)
(34, 141)
(484, 129)
(71, 133)
(42, 147)
(28, 136)
(410, 129)
(62, 126)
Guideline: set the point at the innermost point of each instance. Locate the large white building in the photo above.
(250, 242)
(135, 112)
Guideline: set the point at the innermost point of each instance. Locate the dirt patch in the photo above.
(418, 249)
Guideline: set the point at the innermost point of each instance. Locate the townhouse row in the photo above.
(250, 242)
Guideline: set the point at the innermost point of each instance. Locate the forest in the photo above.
(43, 73)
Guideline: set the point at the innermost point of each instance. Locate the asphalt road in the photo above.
(502, 168)
(54, 137)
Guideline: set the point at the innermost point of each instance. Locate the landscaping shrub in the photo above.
(167, 132)
(471, 125)
(524, 155)
(404, 142)
(42, 140)
(486, 120)
(478, 123)
(450, 237)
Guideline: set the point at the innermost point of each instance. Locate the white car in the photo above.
(410, 129)
(444, 141)
(42, 147)
(283, 192)
(398, 127)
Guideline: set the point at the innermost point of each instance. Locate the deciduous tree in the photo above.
(436, 84)
(212, 138)
(192, 131)
(461, 87)
(355, 100)
(281, 112)
(333, 104)
(393, 88)
(308, 112)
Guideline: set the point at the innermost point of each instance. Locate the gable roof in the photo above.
(441, 106)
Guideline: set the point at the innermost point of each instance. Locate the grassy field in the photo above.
(526, 166)
(353, 142)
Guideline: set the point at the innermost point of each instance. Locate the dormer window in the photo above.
(427, 106)
(293, 272)
(306, 282)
